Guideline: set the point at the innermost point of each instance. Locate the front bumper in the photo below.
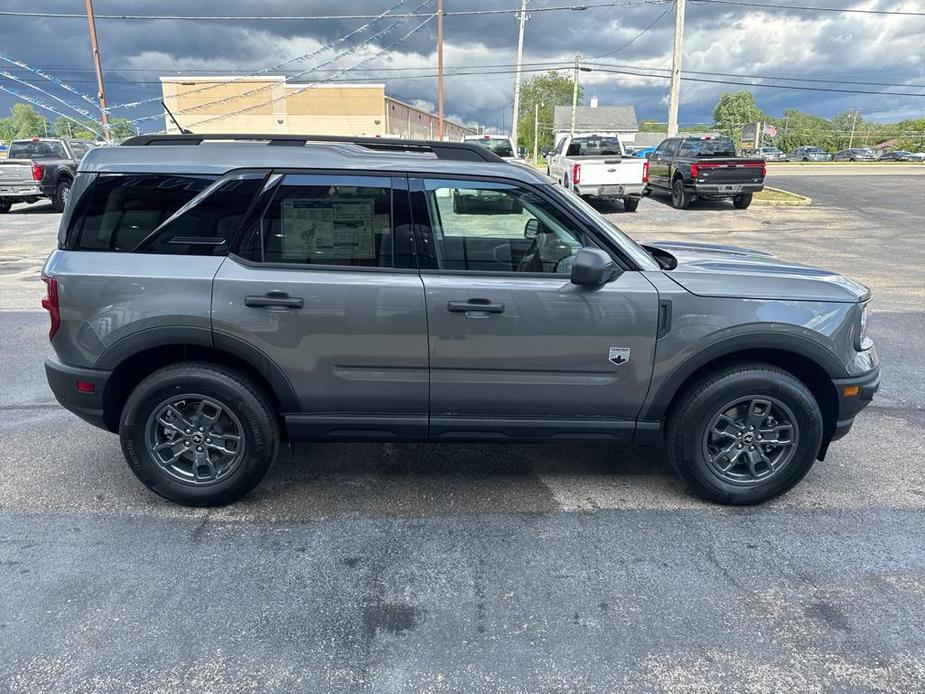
(631, 190)
(87, 405)
(849, 406)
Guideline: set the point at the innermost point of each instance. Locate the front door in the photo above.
(323, 286)
(517, 350)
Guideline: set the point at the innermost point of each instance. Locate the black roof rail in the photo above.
(459, 151)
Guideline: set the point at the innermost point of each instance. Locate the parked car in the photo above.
(596, 165)
(208, 302)
(770, 154)
(705, 167)
(918, 156)
(855, 154)
(643, 152)
(809, 153)
(40, 168)
(898, 155)
(501, 145)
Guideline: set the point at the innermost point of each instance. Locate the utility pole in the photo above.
(575, 92)
(536, 133)
(100, 87)
(854, 124)
(439, 69)
(520, 54)
(674, 93)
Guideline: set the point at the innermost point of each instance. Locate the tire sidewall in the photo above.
(59, 200)
(259, 432)
(705, 406)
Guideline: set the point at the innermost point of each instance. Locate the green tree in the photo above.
(548, 90)
(733, 110)
(121, 128)
(26, 122)
(7, 132)
(798, 128)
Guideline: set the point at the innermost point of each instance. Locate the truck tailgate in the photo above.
(15, 172)
(729, 171)
(607, 172)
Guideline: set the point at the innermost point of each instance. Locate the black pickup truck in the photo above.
(40, 168)
(704, 167)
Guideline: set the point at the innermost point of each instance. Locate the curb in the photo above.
(796, 200)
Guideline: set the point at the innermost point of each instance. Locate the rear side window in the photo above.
(325, 220)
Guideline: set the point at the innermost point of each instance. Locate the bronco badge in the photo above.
(619, 355)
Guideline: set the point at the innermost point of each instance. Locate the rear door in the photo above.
(660, 165)
(323, 284)
(517, 350)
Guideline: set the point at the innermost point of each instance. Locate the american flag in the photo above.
(770, 130)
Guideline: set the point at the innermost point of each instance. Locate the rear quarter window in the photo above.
(156, 213)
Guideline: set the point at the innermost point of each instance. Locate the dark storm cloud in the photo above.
(719, 38)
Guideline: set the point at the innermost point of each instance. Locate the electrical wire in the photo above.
(770, 6)
(639, 35)
(50, 109)
(75, 109)
(265, 18)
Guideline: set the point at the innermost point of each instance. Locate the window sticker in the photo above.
(319, 229)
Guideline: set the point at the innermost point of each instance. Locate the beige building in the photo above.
(271, 105)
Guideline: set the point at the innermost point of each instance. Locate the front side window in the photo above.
(325, 220)
(79, 149)
(496, 227)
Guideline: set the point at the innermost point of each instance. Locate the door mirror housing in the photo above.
(593, 267)
(531, 228)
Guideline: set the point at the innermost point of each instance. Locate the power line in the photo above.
(290, 18)
(637, 36)
(765, 6)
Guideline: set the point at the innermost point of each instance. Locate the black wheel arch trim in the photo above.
(200, 336)
(661, 398)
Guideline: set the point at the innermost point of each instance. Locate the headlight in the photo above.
(863, 320)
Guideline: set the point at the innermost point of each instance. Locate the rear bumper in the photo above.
(63, 379)
(850, 406)
(629, 190)
(20, 191)
(724, 190)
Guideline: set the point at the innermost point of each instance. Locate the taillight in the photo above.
(695, 171)
(50, 304)
(645, 171)
(764, 170)
(576, 174)
(38, 171)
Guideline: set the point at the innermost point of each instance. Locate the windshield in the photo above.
(594, 146)
(708, 148)
(499, 145)
(37, 149)
(626, 244)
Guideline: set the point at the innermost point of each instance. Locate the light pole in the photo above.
(536, 133)
(439, 70)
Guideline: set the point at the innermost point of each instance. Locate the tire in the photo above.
(805, 158)
(691, 443)
(680, 197)
(742, 201)
(228, 471)
(630, 204)
(5, 206)
(62, 193)
(852, 159)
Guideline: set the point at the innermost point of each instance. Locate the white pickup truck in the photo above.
(597, 166)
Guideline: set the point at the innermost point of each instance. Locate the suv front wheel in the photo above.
(745, 434)
(198, 435)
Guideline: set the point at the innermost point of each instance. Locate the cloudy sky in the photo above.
(843, 51)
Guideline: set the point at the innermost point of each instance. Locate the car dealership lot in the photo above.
(449, 567)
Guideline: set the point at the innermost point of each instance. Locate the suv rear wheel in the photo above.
(744, 435)
(198, 435)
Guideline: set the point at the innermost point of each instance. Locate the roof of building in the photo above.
(221, 157)
(603, 118)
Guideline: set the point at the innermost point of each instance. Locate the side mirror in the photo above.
(593, 267)
(531, 228)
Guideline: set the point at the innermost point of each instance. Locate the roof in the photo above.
(218, 158)
(603, 118)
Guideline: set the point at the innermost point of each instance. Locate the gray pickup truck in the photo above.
(209, 301)
(40, 168)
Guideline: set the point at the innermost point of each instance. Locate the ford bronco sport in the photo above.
(212, 296)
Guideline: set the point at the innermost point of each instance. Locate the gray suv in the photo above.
(210, 298)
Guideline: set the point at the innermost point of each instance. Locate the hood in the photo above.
(731, 272)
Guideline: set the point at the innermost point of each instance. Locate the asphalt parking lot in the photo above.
(450, 568)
